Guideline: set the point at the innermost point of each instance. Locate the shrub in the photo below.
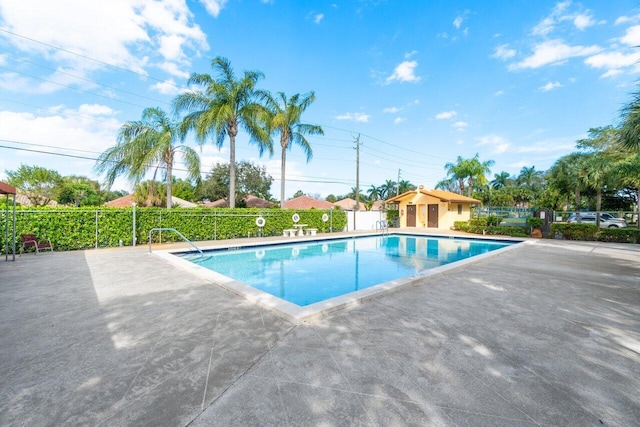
(80, 228)
(493, 220)
(575, 231)
(620, 235)
(535, 222)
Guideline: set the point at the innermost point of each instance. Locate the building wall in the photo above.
(448, 213)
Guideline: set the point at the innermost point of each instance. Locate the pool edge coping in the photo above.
(298, 314)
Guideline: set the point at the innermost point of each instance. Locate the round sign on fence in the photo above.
(325, 217)
(295, 217)
(260, 221)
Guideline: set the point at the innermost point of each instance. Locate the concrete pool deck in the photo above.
(544, 334)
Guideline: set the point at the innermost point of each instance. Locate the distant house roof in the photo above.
(249, 200)
(306, 202)
(446, 196)
(349, 205)
(377, 205)
(126, 201)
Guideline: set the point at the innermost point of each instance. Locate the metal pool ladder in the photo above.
(383, 226)
(178, 233)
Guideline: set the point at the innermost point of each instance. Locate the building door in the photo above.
(411, 215)
(432, 216)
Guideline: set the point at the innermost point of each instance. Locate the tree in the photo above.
(283, 117)
(220, 106)
(456, 172)
(563, 176)
(40, 184)
(80, 191)
(476, 172)
(388, 189)
(373, 192)
(404, 186)
(629, 137)
(250, 179)
(331, 198)
(149, 143)
(500, 180)
(530, 178)
(150, 193)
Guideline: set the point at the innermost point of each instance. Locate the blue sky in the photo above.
(421, 82)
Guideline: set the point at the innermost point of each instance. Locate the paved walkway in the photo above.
(546, 334)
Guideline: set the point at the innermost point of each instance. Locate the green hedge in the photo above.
(80, 228)
(620, 235)
(575, 230)
(479, 226)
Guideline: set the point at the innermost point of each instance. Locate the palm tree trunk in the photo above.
(169, 183)
(282, 174)
(232, 170)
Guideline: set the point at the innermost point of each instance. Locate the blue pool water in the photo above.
(309, 272)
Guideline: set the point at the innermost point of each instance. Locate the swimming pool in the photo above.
(311, 272)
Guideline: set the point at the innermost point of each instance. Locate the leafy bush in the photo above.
(620, 235)
(80, 228)
(493, 220)
(479, 226)
(575, 230)
(392, 214)
(535, 222)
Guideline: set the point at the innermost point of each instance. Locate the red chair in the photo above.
(30, 241)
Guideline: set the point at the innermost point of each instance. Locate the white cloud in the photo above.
(625, 19)
(583, 21)
(167, 87)
(550, 86)
(613, 60)
(547, 25)
(90, 129)
(498, 93)
(611, 73)
(399, 120)
(446, 115)
(410, 54)
(391, 110)
(632, 37)
(125, 33)
(460, 126)
(458, 21)
(213, 6)
(173, 69)
(404, 72)
(497, 143)
(553, 52)
(354, 117)
(318, 18)
(503, 52)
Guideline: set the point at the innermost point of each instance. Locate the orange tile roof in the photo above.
(306, 202)
(446, 196)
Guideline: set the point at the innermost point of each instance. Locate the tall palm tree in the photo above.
(388, 189)
(152, 142)
(628, 173)
(595, 173)
(404, 186)
(220, 106)
(373, 192)
(500, 180)
(457, 172)
(476, 172)
(283, 117)
(529, 177)
(630, 127)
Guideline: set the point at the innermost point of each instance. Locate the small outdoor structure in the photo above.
(6, 189)
(439, 209)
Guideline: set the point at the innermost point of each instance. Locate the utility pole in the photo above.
(357, 206)
(398, 185)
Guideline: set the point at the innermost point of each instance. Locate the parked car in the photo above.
(606, 219)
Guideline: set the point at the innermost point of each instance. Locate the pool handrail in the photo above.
(178, 233)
